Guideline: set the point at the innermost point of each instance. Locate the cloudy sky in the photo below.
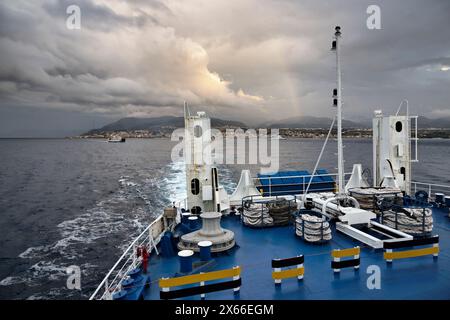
(253, 60)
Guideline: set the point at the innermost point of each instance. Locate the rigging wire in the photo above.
(320, 157)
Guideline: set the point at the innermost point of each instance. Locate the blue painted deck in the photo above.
(414, 278)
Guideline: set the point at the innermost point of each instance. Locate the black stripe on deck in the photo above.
(410, 243)
(281, 263)
(186, 292)
(345, 263)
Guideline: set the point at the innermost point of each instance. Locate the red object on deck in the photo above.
(138, 252)
(145, 256)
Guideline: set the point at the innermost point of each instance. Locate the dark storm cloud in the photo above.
(99, 17)
(252, 60)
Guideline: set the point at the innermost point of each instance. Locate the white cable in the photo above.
(318, 159)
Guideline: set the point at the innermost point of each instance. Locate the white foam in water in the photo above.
(175, 181)
(111, 218)
(33, 252)
(53, 271)
(226, 179)
(8, 281)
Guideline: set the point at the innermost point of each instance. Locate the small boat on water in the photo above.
(116, 139)
(278, 136)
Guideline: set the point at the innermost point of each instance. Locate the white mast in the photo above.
(336, 48)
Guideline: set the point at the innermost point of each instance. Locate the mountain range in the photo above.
(166, 122)
(310, 123)
(158, 123)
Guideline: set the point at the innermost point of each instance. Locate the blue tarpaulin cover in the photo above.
(294, 182)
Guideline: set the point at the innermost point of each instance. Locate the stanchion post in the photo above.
(356, 257)
(236, 290)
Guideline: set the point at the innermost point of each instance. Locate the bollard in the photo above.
(185, 260)
(439, 198)
(205, 250)
(193, 222)
(184, 217)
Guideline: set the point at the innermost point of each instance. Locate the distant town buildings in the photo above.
(317, 133)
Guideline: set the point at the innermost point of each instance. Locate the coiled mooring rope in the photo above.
(257, 214)
(414, 221)
(274, 213)
(312, 228)
(280, 211)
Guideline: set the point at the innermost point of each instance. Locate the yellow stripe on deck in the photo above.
(346, 252)
(289, 273)
(410, 253)
(200, 277)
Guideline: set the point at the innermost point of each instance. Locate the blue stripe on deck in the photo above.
(413, 278)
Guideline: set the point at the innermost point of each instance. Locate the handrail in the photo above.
(431, 184)
(302, 176)
(119, 273)
(305, 179)
(126, 253)
(430, 187)
(140, 239)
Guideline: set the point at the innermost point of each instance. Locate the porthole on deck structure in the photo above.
(195, 186)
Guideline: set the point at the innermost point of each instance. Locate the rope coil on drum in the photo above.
(267, 212)
(280, 211)
(256, 214)
(413, 221)
(368, 197)
(312, 228)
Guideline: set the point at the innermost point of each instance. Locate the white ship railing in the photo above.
(303, 183)
(430, 188)
(150, 237)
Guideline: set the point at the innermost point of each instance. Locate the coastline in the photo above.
(286, 133)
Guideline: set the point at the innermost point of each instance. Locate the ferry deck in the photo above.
(425, 277)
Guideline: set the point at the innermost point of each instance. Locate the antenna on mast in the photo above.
(337, 101)
(186, 110)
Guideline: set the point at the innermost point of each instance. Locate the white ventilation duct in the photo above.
(245, 188)
(356, 180)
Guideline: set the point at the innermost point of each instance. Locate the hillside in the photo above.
(310, 123)
(158, 124)
(166, 124)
